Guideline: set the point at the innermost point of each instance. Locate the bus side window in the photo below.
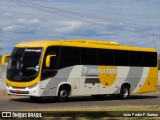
(105, 57)
(89, 56)
(150, 59)
(70, 56)
(121, 58)
(52, 69)
(136, 58)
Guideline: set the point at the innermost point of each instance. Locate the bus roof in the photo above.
(83, 43)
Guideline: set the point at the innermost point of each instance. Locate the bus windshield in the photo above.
(24, 64)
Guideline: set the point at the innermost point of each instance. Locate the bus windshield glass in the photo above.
(24, 64)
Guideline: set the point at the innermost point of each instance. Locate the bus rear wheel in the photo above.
(125, 92)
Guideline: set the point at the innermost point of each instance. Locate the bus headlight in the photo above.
(34, 85)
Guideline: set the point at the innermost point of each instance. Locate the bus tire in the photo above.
(125, 92)
(63, 93)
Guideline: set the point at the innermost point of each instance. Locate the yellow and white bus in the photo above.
(66, 68)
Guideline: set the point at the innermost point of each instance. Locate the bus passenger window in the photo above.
(149, 59)
(70, 56)
(136, 58)
(121, 58)
(89, 56)
(105, 57)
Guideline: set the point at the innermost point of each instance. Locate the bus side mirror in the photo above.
(48, 60)
(5, 58)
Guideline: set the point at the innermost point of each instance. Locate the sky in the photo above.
(129, 22)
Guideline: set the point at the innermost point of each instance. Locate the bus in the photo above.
(64, 68)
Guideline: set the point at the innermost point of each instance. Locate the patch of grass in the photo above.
(102, 113)
(105, 108)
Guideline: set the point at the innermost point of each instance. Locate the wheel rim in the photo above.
(125, 92)
(63, 94)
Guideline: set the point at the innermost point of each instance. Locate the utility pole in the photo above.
(1, 41)
(152, 39)
(156, 40)
(0, 50)
(0, 32)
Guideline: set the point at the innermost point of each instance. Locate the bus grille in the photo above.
(18, 87)
(19, 92)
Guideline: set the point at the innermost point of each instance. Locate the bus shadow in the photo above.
(46, 100)
(110, 98)
(41, 100)
(143, 97)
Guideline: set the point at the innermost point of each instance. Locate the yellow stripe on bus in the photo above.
(151, 81)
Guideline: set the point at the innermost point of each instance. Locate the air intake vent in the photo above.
(95, 42)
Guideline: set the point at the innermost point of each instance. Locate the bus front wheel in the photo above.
(125, 92)
(63, 94)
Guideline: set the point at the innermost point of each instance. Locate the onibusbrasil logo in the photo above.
(21, 115)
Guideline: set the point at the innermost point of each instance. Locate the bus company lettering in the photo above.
(87, 70)
(32, 50)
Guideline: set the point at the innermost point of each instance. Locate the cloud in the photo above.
(70, 26)
(8, 14)
(8, 28)
(23, 21)
(126, 21)
(23, 26)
